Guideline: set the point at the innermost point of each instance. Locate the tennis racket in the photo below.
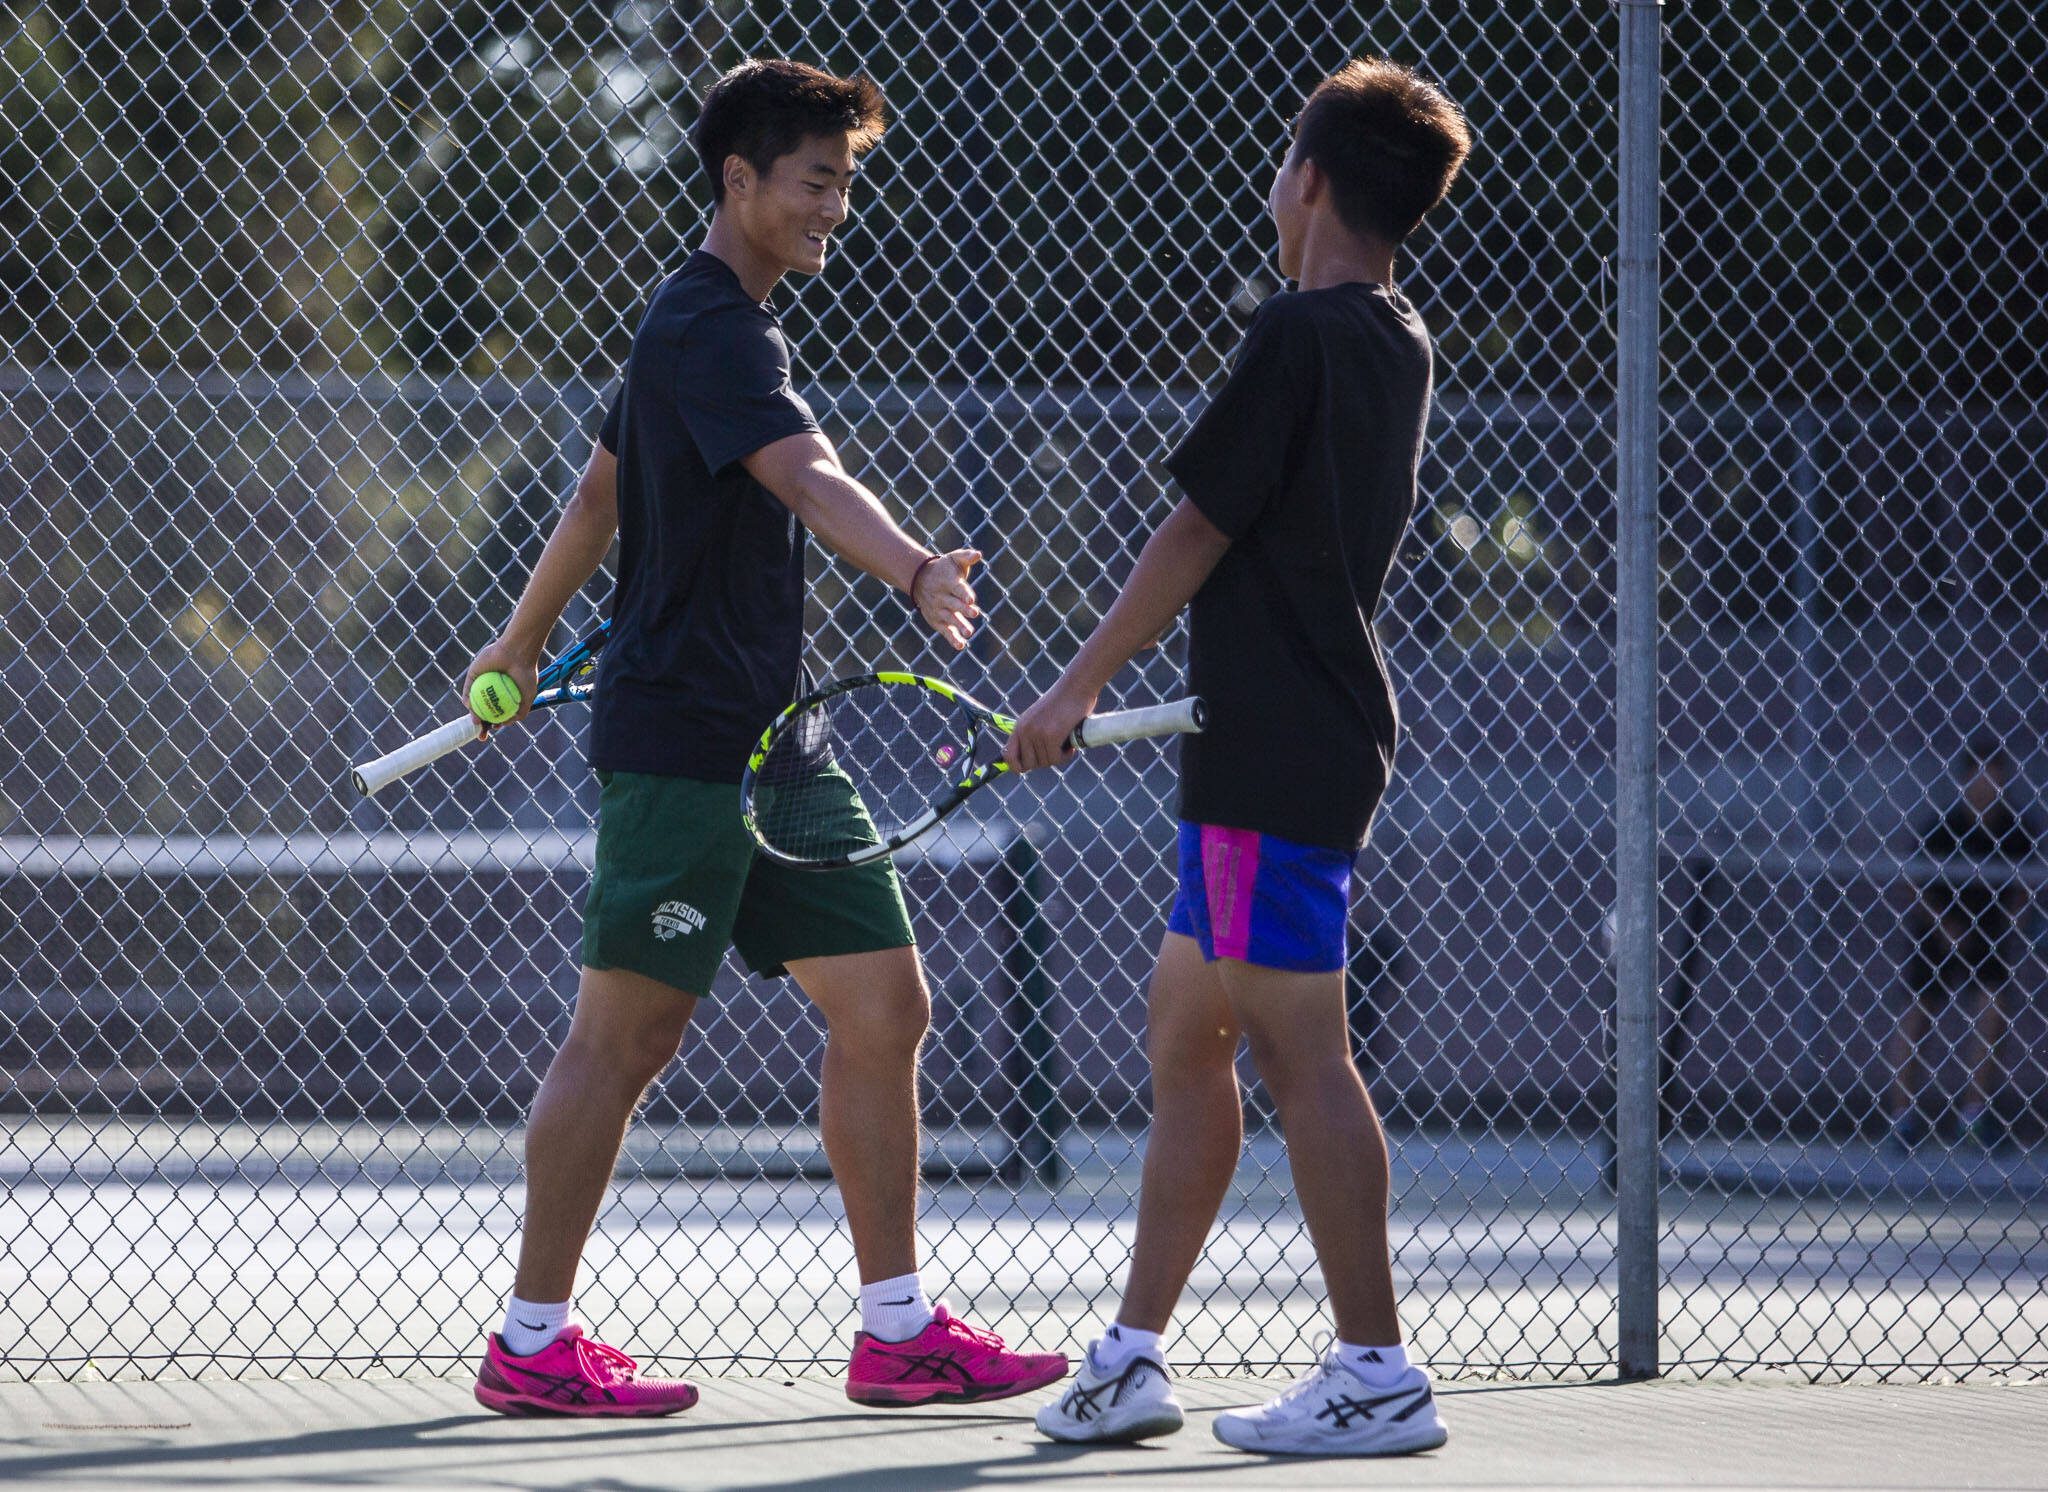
(559, 684)
(861, 767)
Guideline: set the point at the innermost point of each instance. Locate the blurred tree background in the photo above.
(353, 281)
(495, 187)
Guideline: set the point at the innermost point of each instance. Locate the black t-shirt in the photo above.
(1306, 459)
(1964, 835)
(707, 624)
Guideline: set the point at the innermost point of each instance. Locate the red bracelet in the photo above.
(911, 589)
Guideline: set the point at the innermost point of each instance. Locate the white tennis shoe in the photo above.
(1334, 1412)
(1134, 1403)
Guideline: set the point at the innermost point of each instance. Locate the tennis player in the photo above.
(1295, 485)
(711, 470)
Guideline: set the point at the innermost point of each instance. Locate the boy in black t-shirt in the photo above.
(1295, 486)
(710, 470)
(1964, 924)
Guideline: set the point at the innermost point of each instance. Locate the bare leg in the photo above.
(626, 1029)
(876, 1011)
(1905, 1058)
(1987, 1032)
(1335, 1146)
(1197, 1129)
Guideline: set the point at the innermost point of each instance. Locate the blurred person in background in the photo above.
(1965, 923)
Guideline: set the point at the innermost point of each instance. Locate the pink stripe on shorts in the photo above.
(1260, 899)
(1230, 871)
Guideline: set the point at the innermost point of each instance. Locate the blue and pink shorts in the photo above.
(1262, 900)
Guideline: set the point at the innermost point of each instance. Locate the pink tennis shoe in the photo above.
(948, 1362)
(575, 1375)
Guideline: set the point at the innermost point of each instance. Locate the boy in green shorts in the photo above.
(710, 470)
(1296, 484)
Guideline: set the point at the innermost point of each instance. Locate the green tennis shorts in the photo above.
(678, 881)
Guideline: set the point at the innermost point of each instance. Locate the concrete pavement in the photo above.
(801, 1433)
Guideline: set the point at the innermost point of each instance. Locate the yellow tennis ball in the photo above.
(494, 697)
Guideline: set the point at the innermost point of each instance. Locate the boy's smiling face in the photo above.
(787, 213)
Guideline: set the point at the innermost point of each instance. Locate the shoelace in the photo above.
(605, 1365)
(1315, 1381)
(975, 1334)
(1312, 1384)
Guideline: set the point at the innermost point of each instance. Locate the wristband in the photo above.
(911, 589)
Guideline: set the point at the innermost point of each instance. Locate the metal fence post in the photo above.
(1805, 1069)
(1034, 1119)
(1635, 733)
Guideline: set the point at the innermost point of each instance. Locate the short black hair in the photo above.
(767, 106)
(1390, 141)
(1987, 753)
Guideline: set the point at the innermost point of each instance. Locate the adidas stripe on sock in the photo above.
(1382, 1367)
(1120, 1345)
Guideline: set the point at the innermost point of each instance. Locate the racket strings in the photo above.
(863, 766)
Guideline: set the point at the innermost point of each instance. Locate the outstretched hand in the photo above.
(944, 598)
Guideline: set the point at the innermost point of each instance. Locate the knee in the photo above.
(905, 1017)
(1186, 1037)
(890, 1024)
(630, 1058)
(1185, 1059)
(1291, 1070)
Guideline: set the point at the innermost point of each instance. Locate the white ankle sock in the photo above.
(529, 1327)
(1382, 1367)
(1120, 1345)
(894, 1310)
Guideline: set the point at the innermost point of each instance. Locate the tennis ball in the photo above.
(494, 697)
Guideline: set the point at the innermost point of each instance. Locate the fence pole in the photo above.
(1802, 1100)
(1635, 732)
(1034, 1119)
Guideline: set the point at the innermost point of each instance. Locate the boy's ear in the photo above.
(739, 175)
(1311, 184)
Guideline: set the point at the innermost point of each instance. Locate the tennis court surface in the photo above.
(802, 1433)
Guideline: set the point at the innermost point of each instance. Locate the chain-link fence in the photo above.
(309, 313)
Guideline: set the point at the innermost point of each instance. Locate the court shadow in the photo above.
(478, 1441)
(438, 1436)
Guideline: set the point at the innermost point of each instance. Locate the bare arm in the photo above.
(1170, 569)
(803, 471)
(582, 536)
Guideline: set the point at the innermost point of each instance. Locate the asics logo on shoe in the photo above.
(1343, 1410)
(555, 1386)
(943, 1364)
(1081, 1401)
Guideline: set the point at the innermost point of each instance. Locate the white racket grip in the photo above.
(1182, 717)
(413, 755)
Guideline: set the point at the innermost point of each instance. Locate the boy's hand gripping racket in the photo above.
(913, 748)
(559, 684)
